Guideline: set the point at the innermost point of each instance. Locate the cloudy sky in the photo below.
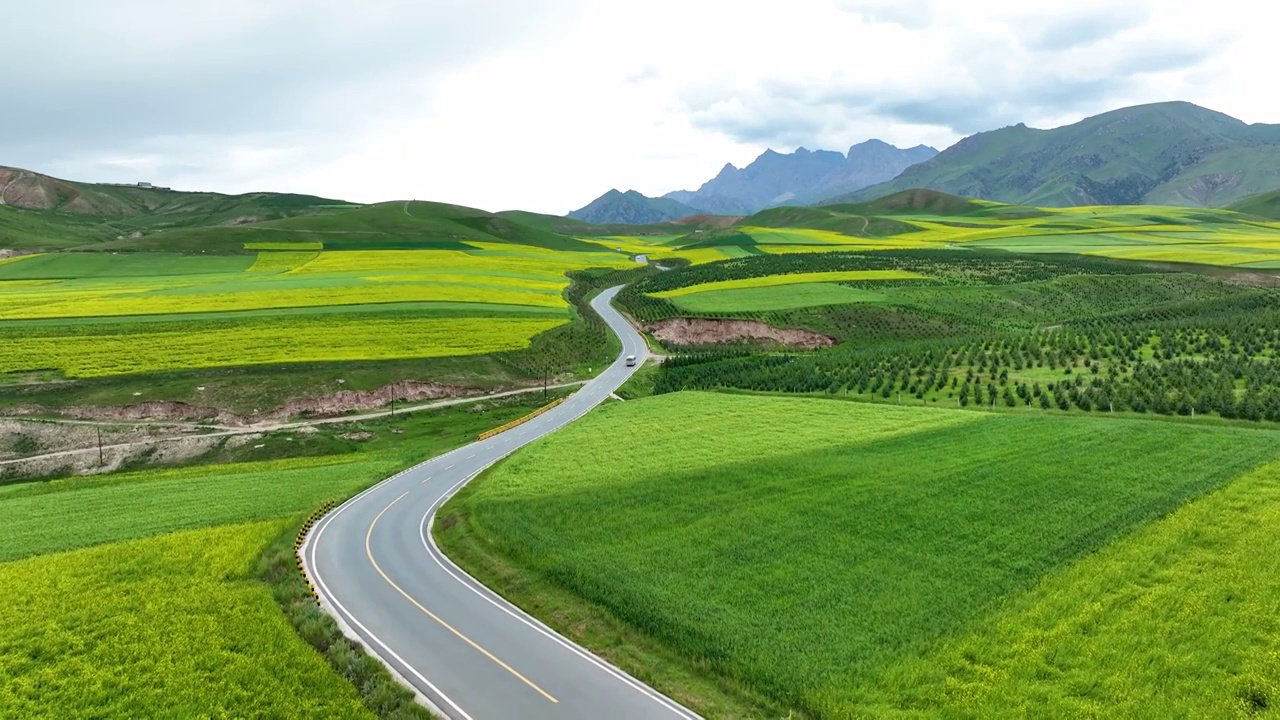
(543, 105)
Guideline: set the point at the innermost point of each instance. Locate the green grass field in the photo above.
(782, 292)
(811, 567)
(61, 515)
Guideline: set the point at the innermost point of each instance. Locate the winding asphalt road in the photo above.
(472, 654)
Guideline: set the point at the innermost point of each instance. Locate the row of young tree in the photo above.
(1213, 362)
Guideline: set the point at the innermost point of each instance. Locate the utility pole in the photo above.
(101, 461)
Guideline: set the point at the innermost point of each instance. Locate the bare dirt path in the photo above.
(272, 427)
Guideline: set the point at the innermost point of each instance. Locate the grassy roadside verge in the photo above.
(381, 693)
(594, 627)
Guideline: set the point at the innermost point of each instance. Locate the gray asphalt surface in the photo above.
(475, 656)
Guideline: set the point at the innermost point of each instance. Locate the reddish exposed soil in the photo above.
(702, 331)
(336, 404)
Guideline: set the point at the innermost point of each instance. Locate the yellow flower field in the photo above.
(285, 340)
(281, 261)
(494, 258)
(122, 303)
(278, 279)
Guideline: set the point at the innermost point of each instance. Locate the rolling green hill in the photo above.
(844, 219)
(220, 223)
(38, 212)
(1265, 205)
(385, 226)
(1160, 154)
(33, 191)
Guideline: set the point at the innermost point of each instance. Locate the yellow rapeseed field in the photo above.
(281, 261)
(284, 340)
(494, 274)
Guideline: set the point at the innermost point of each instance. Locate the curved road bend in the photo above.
(475, 656)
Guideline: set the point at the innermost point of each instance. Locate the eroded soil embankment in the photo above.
(707, 331)
(334, 404)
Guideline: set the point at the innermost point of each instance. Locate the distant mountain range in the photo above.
(800, 178)
(631, 208)
(771, 180)
(1171, 153)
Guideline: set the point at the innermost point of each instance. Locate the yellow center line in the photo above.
(368, 551)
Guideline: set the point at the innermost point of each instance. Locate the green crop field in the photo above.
(781, 292)
(773, 297)
(50, 517)
(169, 626)
(1178, 620)
(811, 567)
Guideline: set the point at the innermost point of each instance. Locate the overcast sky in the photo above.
(543, 105)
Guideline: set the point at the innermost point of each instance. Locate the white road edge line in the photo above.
(429, 544)
(324, 589)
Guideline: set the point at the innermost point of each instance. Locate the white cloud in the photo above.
(501, 104)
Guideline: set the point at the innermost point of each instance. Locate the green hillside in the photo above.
(385, 226)
(228, 224)
(38, 212)
(1161, 154)
(579, 228)
(33, 191)
(1265, 205)
(844, 219)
